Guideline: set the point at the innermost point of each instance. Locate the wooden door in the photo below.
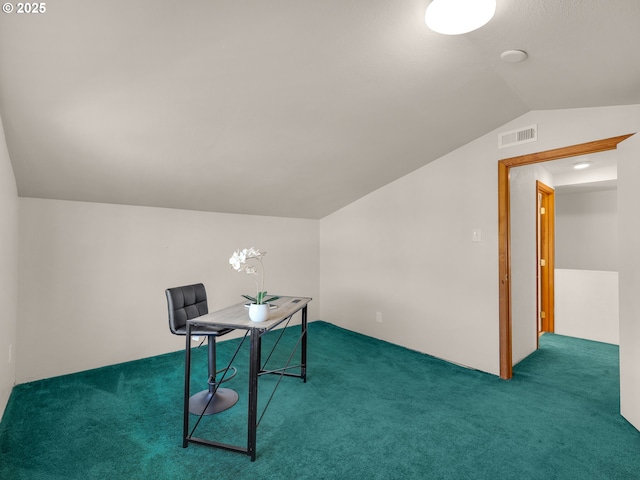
(545, 257)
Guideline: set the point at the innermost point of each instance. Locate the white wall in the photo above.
(587, 305)
(629, 277)
(586, 276)
(523, 201)
(8, 272)
(587, 230)
(405, 250)
(92, 276)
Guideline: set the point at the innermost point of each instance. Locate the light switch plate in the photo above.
(476, 235)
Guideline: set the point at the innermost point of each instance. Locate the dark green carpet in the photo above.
(370, 410)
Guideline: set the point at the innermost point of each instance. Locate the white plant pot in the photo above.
(259, 313)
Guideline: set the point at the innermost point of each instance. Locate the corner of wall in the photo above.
(8, 272)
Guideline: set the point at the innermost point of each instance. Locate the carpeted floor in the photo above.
(369, 410)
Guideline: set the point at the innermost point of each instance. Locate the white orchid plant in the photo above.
(238, 262)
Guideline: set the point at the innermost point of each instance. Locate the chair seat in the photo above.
(203, 330)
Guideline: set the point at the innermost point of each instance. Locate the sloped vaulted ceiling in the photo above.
(283, 107)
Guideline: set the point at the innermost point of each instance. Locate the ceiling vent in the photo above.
(518, 137)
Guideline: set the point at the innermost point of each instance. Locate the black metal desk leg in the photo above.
(303, 349)
(254, 369)
(187, 378)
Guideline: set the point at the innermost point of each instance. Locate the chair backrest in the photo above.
(184, 304)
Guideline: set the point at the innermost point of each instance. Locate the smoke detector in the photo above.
(513, 56)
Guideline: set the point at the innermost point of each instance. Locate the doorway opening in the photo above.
(504, 267)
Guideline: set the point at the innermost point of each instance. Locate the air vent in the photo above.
(518, 137)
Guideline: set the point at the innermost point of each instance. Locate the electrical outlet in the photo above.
(378, 317)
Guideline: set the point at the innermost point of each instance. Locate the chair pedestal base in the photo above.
(224, 399)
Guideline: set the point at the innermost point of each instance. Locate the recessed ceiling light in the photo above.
(582, 165)
(513, 56)
(455, 17)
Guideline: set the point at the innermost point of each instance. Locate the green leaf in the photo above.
(260, 298)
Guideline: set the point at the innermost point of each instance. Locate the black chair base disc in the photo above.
(224, 399)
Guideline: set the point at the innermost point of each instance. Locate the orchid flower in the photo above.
(238, 262)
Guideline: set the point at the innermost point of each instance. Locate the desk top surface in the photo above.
(237, 316)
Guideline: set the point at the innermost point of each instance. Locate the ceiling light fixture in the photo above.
(582, 165)
(455, 17)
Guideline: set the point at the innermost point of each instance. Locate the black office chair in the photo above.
(186, 303)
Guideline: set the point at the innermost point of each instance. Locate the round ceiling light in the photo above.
(455, 17)
(582, 165)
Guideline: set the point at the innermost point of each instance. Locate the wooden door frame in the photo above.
(545, 238)
(504, 239)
